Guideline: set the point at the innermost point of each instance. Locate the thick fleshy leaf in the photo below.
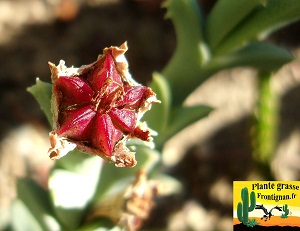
(157, 118)
(71, 193)
(123, 119)
(225, 16)
(72, 184)
(42, 93)
(74, 90)
(22, 218)
(263, 56)
(119, 178)
(181, 118)
(77, 124)
(37, 201)
(183, 70)
(100, 225)
(168, 184)
(77, 162)
(261, 23)
(100, 75)
(105, 134)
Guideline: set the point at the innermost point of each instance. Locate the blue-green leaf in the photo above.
(263, 56)
(109, 198)
(184, 66)
(34, 202)
(181, 118)
(100, 225)
(169, 185)
(157, 117)
(261, 23)
(72, 185)
(225, 16)
(42, 92)
(118, 178)
(22, 218)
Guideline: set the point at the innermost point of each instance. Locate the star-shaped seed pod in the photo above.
(96, 108)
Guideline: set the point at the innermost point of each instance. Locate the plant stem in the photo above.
(266, 120)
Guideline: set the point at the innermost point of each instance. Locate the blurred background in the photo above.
(206, 157)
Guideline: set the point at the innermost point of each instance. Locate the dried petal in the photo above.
(122, 156)
(59, 146)
(139, 201)
(141, 134)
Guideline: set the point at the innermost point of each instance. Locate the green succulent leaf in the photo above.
(157, 117)
(169, 184)
(77, 162)
(263, 56)
(72, 184)
(225, 16)
(119, 178)
(22, 218)
(33, 207)
(100, 225)
(184, 66)
(181, 118)
(261, 23)
(109, 198)
(42, 92)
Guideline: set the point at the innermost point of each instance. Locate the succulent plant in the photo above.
(243, 207)
(286, 211)
(251, 223)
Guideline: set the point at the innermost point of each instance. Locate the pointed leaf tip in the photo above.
(42, 92)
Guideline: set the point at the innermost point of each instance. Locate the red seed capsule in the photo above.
(97, 107)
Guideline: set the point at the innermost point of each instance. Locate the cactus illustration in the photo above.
(243, 207)
(286, 211)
